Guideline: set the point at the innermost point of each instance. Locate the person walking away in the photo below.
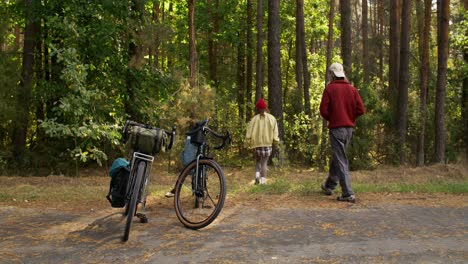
(341, 104)
(261, 136)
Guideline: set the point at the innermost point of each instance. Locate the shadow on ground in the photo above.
(252, 231)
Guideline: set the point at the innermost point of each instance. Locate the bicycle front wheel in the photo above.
(133, 202)
(199, 200)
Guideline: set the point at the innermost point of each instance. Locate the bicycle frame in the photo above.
(195, 204)
(140, 171)
(144, 187)
(201, 154)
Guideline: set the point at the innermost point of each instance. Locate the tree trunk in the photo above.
(212, 46)
(39, 69)
(365, 42)
(381, 12)
(324, 143)
(345, 11)
(307, 107)
(425, 28)
(465, 95)
(192, 45)
(402, 102)
(26, 84)
(46, 53)
(249, 104)
(443, 16)
(301, 55)
(274, 64)
(297, 98)
(394, 54)
(241, 76)
(135, 56)
(287, 70)
(17, 38)
(157, 39)
(136, 49)
(259, 63)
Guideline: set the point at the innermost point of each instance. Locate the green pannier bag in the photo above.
(147, 141)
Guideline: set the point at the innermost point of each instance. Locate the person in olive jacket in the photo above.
(341, 104)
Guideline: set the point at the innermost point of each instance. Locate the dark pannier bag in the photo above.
(119, 173)
(146, 141)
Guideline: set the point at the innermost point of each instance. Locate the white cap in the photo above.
(337, 69)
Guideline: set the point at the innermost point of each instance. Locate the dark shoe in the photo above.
(257, 181)
(350, 198)
(326, 190)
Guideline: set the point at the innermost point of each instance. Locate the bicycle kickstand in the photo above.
(142, 217)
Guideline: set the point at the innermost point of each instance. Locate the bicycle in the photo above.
(200, 190)
(149, 141)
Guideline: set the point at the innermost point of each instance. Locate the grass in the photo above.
(451, 179)
(53, 193)
(307, 188)
(430, 187)
(92, 189)
(279, 186)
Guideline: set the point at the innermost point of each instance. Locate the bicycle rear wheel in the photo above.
(198, 206)
(135, 192)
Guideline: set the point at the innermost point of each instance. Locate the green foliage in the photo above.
(365, 146)
(9, 77)
(188, 105)
(459, 30)
(302, 138)
(88, 80)
(78, 111)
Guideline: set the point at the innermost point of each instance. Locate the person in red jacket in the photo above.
(341, 104)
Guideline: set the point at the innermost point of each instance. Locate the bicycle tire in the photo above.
(132, 204)
(194, 210)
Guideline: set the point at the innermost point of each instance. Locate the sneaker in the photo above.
(170, 194)
(262, 180)
(326, 190)
(257, 181)
(350, 198)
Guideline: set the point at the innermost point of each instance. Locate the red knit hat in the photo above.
(261, 104)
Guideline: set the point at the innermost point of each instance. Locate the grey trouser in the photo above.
(340, 138)
(261, 165)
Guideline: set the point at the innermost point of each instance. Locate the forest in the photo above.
(72, 72)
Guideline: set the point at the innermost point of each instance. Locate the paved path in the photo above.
(242, 234)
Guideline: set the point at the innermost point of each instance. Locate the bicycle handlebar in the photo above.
(226, 137)
(170, 134)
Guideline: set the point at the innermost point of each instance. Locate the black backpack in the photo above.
(118, 186)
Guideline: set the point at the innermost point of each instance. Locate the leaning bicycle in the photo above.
(143, 141)
(200, 190)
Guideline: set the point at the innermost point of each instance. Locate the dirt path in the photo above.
(265, 229)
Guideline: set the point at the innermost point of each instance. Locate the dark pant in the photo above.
(340, 138)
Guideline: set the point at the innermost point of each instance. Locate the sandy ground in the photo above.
(252, 228)
(408, 228)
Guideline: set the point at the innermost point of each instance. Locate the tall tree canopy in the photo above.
(70, 74)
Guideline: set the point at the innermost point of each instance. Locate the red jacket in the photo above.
(341, 104)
